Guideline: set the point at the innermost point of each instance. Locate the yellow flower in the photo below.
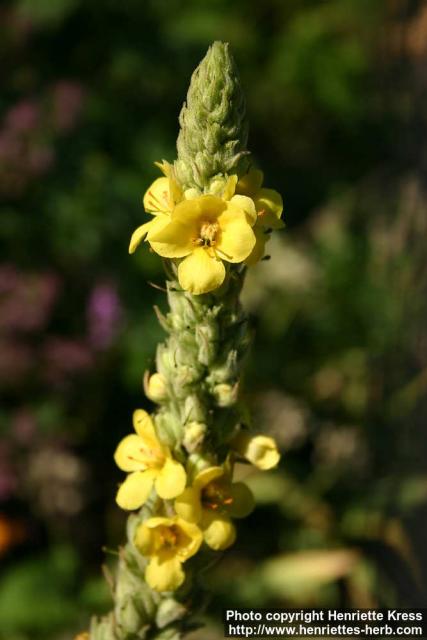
(211, 502)
(148, 463)
(269, 207)
(260, 450)
(159, 200)
(168, 542)
(205, 231)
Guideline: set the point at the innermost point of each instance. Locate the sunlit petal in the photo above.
(157, 197)
(174, 240)
(128, 454)
(243, 502)
(164, 573)
(188, 505)
(236, 240)
(201, 272)
(218, 531)
(171, 480)
(134, 491)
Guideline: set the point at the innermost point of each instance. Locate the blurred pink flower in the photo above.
(8, 476)
(68, 98)
(104, 313)
(26, 299)
(11, 148)
(8, 278)
(16, 360)
(24, 426)
(40, 159)
(64, 357)
(8, 480)
(23, 117)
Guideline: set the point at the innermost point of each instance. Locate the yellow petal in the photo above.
(157, 224)
(269, 205)
(138, 236)
(175, 190)
(260, 450)
(189, 540)
(171, 480)
(157, 197)
(200, 272)
(134, 491)
(242, 500)
(143, 424)
(164, 574)
(174, 240)
(230, 187)
(207, 207)
(158, 521)
(145, 540)
(188, 505)
(250, 183)
(163, 165)
(204, 477)
(258, 251)
(236, 240)
(245, 205)
(218, 531)
(128, 456)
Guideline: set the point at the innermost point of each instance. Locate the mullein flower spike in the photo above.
(209, 218)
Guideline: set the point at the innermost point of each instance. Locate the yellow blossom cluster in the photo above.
(199, 507)
(205, 232)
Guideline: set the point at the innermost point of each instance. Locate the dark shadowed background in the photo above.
(336, 91)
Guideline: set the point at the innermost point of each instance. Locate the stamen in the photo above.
(168, 538)
(216, 496)
(208, 233)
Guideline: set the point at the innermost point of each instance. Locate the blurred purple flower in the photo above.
(104, 313)
(68, 98)
(26, 299)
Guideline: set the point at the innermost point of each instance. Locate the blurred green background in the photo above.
(336, 94)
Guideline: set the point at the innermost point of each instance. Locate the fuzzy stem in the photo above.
(200, 361)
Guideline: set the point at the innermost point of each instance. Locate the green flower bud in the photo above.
(207, 339)
(169, 611)
(226, 394)
(155, 387)
(194, 435)
(224, 371)
(213, 136)
(168, 427)
(194, 409)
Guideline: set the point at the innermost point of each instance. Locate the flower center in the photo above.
(216, 496)
(168, 537)
(207, 234)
